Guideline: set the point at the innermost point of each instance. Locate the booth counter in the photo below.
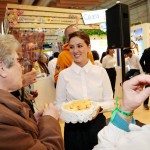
(46, 92)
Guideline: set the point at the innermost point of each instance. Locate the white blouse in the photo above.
(97, 62)
(52, 66)
(91, 82)
(108, 62)
(134, 62)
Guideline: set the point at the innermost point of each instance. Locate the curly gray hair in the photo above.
(8, 46)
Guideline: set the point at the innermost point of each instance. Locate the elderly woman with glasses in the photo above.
(19, 128)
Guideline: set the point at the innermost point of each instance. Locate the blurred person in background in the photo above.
(41, 65)
(52, 64)
(103, 55)
(96, 58)
(145, 63)
(109, 63)
(133, 62)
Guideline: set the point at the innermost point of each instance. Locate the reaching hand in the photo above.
(134, 92)
(52, 111)
(29, 78)
(38, 114)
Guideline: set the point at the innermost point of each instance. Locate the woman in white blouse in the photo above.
(108, 63)
(83, 80)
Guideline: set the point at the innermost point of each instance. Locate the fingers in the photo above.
(29, 78)
(41, 112)
(140, 79)
(32, 76)
(134, 93)
(45, 105)
(137, 82)
(51, 110)
(48, 105)
(142, 95)
(31, 73)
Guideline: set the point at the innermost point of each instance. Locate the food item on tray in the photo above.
(79, 111)
(33, 69)
(78, 105)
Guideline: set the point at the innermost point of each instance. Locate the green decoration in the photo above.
(94, 32)
(89, 32)
(64, 39)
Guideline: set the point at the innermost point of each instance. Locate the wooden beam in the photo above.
(2, 15)
(75, 5)
(49, 14)
(2, 11)
(52, 26)
(45, 9)
(3, 5)
(10, 1)
(77, 2)
(80, 3)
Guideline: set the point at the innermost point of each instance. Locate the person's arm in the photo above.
(142, 61)
(109, 137)
(104, 61)
(59, 66)
(139, 65)
(126, 62)
(51, 68)
(107, 103)
(28, 134)
(134, 92)
(60, 90)
(29, 78)
(49, 137)
(133, 97)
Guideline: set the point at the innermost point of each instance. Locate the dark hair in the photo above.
(41, 56)
(127, 50)
(50, 58)
(56, 54)
(103, 55)
(95, 55)
(84, 36)
(107, 51)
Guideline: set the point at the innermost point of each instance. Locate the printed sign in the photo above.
(92, 17)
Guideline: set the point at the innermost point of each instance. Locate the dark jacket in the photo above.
(20, 131)
(145, 60)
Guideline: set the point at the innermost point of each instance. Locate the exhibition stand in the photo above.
(46, 92)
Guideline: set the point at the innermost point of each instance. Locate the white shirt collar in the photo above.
(78, 69)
